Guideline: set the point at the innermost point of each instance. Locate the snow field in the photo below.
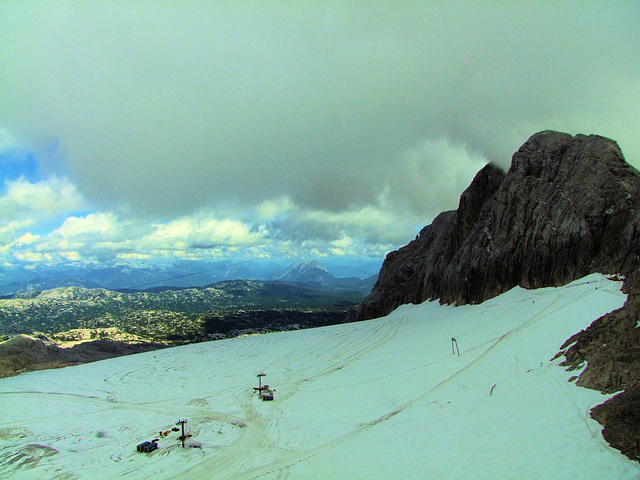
(384, 398)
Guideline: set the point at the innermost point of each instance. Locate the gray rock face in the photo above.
(568, 206)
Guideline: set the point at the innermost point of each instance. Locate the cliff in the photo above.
(568, 206)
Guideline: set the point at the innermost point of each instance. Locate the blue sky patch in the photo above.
(16, 163)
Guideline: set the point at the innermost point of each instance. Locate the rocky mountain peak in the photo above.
(307, 265)
(553, 156)
(567, 206)
(305, 272)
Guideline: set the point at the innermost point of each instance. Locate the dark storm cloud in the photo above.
(167, 107)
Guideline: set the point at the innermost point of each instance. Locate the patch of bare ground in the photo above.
(24, 353)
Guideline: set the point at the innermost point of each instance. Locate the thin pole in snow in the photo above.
(454, 346)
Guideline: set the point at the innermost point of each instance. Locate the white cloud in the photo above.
(28, 239)
(42, 200)
(94, 235)
(71, 256)
(362, 231)
(271, 209)
(105, 236)
(11, 230)
(33, 257)
(134, 256)
(286, 230)
(99, 236)
(201, 231)
(93, 224)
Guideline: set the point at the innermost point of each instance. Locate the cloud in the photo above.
(103, 236)
(252, 129)
(16, 160)
(44, 199)
(172, 107)
(274, 229)
(7, 141)
(200, 232)
(33, 257)
(28, 239)
(93, 224)
(26, 205)
(85, 237)
(11, 230)
(367, 231)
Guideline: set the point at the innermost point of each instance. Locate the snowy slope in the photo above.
(383, 398)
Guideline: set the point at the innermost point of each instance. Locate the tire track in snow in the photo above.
(349, 351)
(593, 426)
(299, 456)
(254, 440)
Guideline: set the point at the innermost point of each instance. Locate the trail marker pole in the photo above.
(454, 346)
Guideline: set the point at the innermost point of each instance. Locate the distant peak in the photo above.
(305, 271)
(307, 264)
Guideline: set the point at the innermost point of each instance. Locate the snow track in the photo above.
(378, 399)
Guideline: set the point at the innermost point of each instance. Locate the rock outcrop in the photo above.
(567, 207)
(610, 349)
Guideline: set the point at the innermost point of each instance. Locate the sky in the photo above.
(238, 130)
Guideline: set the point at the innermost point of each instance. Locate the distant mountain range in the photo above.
(359, 275)
(173, 314)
